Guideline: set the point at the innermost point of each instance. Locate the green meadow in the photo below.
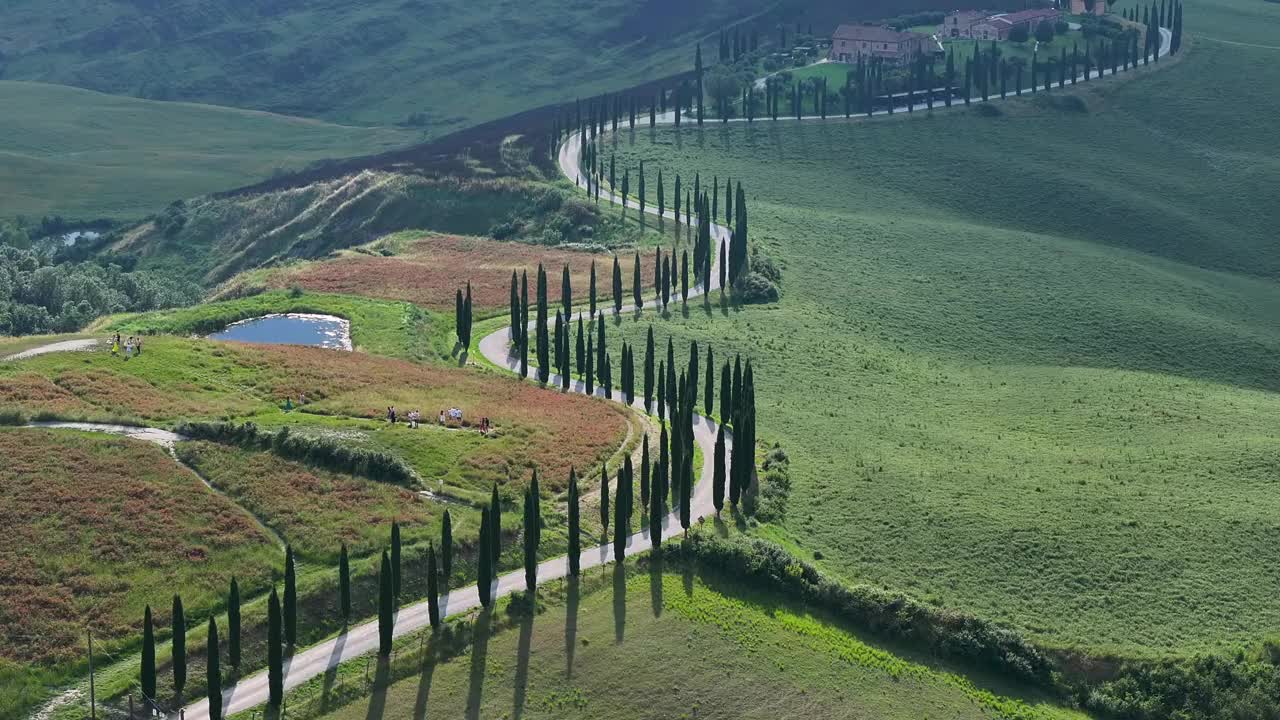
(83, 154)
(1025, 362)
(687, 645)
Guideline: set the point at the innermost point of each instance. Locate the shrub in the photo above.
(775, 485)
(1061, 27)
(765, 266)
(321, 452)
(755, 288)
(1044, 31)
(1020, 34)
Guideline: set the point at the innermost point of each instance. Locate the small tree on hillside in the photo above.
(1044, 31)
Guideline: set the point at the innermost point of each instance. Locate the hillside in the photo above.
(1025, 360)
(85, 154)
(373, 62)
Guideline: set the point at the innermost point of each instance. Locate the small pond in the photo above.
(325, 331)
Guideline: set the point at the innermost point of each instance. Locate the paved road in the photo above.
(362, 639)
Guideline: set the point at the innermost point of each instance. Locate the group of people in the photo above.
(132, 346)
(453, 414)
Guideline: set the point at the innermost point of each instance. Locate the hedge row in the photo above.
(317, 451)
(892, 615)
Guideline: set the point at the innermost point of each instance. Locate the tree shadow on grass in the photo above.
(331, 674)
(619, 602)
(479, 656)
(378, 698)
(655, 584)
(722, 530)
(522, 665)
(571, 622)
(424, 685)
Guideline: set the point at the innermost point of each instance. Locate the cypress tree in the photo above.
(580, 357)
(655, 507)
(457, 315)
(213, 673)
(604, 498)
(608, 378)
(275, 651)
(684, 277)
(617, 286)
(637, 291)
(591, 366)
(446, 549)
(718, 478)
(557, 342)
(723, 269)
(644, 472)
(726, 393)
(179, 645)
(524, 324)
(620, 525)
(666, 282)
(433, 588)
(671, 381)
(466, 317)
(386, 606)
(575, 525)
(495, 529)
(592, 290)
(662, 476)
(484, 571)
(233, 625)
(662, 196)
(648, 370)
(532, 522)
(147, 678)
(692, 370)
(540, 323)
(566, 293)
(662, 390)
(395, 558)
(708, 388)
(676, 198)
(657, 276)
(602, 353)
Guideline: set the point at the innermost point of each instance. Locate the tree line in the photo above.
(877, 83)
(666, 484)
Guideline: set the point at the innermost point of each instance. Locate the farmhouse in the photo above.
(958, 23)
(981, 26)
(851, 41)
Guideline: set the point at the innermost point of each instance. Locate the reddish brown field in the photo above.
(429, 271)
(34, 394)
(555, 430)
(97, 527)
(179, 379)
(313, 510)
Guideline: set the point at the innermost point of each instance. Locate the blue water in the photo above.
(323, 331)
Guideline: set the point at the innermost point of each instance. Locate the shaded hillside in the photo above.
(448, 65)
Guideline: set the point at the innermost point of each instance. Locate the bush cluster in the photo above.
(775, 485)
(40, 295)
(891, 615)
(320, 452)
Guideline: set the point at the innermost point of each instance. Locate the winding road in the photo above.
(251, 691)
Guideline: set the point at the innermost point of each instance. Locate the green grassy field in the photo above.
(1048, 398)
(83, 154)
(687, 646)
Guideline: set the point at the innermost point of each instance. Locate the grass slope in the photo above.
(687, 646)
(96, 527)
(83, 154)
(375, 62)
(1032, 381)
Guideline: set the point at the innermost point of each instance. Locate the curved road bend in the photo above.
(359, 640)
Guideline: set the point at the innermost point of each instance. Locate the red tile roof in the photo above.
(873, 33)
